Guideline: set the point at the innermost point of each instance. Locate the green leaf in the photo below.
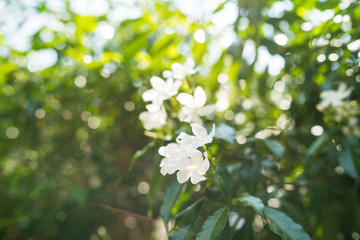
(225, 233)
(79, 195)
(187, 216)
(254, 202)
(170, 197)
(225, 132)
(347, 161)
(284, 226)
(140, 152)
(276, 147)
(185, 233)
(214, 224)
(316, 146)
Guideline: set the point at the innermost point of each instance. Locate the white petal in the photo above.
(144, 116)
(157, 83)
(177, 84)
(169, 83)
(194, 118)
(196, 177)
(212, 133)
(206, 110)
(182, 115)
(173, 149)
(183, 176)
(198, 130)
(150, 95)
(196, 157)
(167, 74)
(179, 71)
(163, 151)
(186, 99)
(199, 97)
(153, 108)
(204, 167)
(190, 63)
(163, 171)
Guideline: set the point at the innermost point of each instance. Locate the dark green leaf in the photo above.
(170, 197)
(347, 161)
(188, 215)
(225, 233)
(214, 224)
(284, 226)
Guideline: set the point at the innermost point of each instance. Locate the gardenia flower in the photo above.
(194, 106)
(179, 71)
(161, 90)
(154, 118)
(334, 98)
(194, 167)
(184, 157)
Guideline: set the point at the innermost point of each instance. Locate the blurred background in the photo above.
(71, 78)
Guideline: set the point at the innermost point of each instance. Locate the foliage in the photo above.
(71, 129)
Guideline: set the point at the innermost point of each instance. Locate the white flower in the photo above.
(184, 157)
(193, 167)
(179, 71)
(194, 106)
(334, 98)
(193, 142)
(154, 118)
(161, 90)
(173, 155)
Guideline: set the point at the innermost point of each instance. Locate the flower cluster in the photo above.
(334, 98)
(337, 108)
(182, 156)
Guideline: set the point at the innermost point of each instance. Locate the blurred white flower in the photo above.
(179, 71)
(194, 106)
(161, 90)
(334, 98)
(201, 137)
(155, 117)
(194, 167)
(223, 99)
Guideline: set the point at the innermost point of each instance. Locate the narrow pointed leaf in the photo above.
(170, 197)
(214, 224)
